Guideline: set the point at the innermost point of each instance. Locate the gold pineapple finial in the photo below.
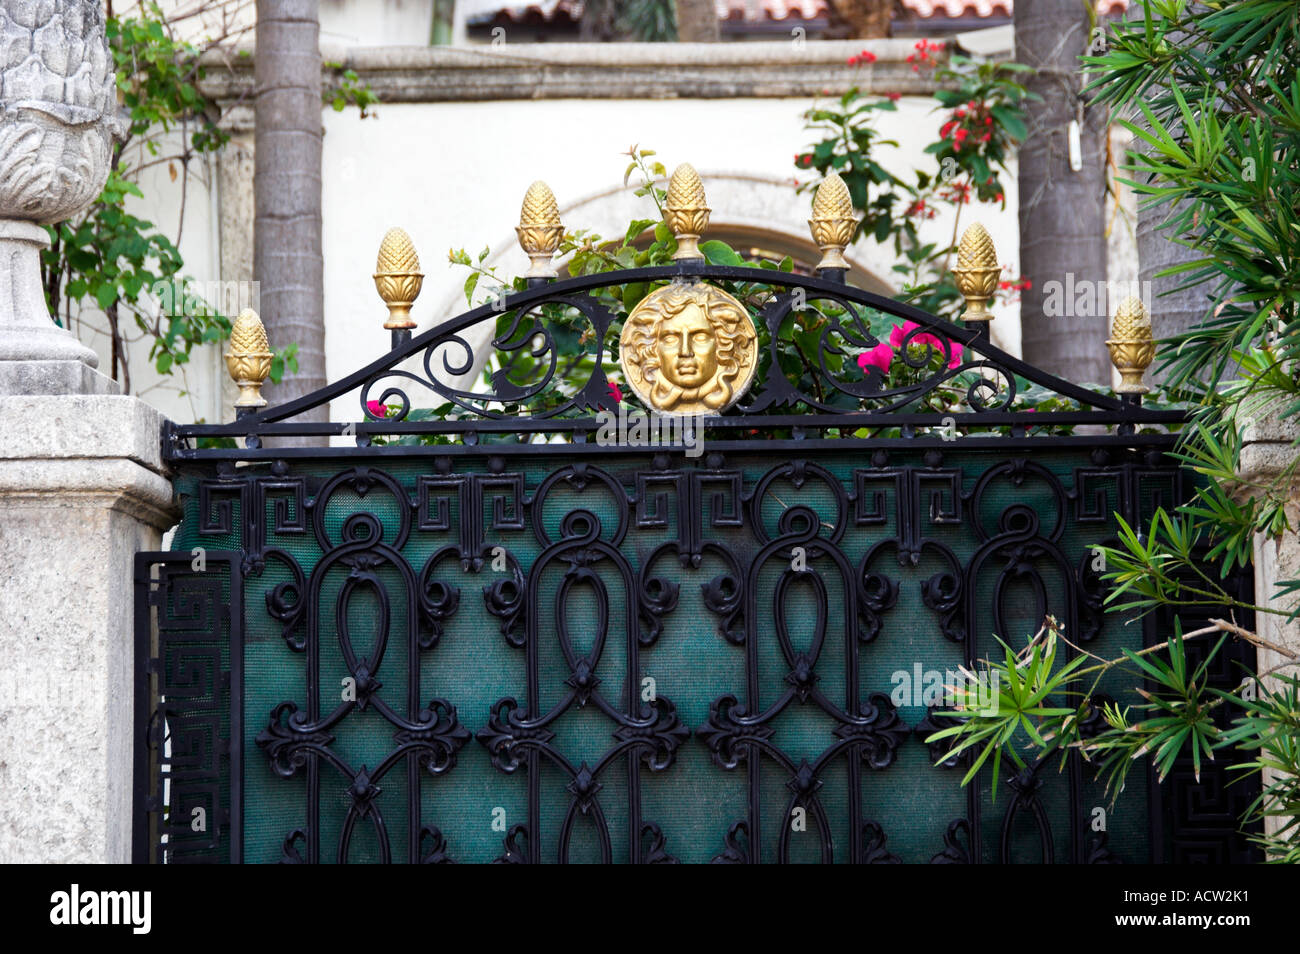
(249, 358)
(977, 272)
(832, 221)
(398, 277)
(685, 212)
(539, 229)
(1131, 345)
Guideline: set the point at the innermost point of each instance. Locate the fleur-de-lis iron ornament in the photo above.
(977, 272)
(686, 213)
(833, 221)
(398, 277)
(539, 230)
(249, 359)
(688, 348)
(1131, 345)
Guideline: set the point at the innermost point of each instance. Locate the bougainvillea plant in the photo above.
(981, 105)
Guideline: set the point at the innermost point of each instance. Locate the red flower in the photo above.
(998, 198)
(377, 408)
(959, 193)
(925, 338)
(880, 357)
(895, 97)
(961, 134)
(615, 391)
(866, 56)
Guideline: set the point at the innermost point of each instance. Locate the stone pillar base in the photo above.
(81, 490)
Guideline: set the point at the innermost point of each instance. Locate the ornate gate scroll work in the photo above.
(648, 734)
(301, 737)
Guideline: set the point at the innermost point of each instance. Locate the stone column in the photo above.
(82, 486)
(1268, 450)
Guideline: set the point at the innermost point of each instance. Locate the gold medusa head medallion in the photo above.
(689, 349)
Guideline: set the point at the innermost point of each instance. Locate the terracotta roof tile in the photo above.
(756, 10)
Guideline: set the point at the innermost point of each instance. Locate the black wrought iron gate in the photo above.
(465, 644)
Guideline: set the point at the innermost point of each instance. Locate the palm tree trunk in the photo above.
(861, 19)
(697, 21)
(1062, 211)
(287, 259)
(1173, 311)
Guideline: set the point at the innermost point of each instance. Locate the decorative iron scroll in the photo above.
(649, 659)
(429, 371)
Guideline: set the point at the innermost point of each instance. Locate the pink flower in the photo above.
(880, 357)
(615, 392)
(377, 408)
(925, 338)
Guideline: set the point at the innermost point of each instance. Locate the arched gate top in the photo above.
(413, 400)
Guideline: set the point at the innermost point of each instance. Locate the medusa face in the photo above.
(686, 346)
(688, 349)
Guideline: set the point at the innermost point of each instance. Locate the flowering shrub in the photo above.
(922, 53)
(983, 122)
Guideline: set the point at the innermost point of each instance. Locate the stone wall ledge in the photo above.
(415, 74)
(120, 485)
(1270, 445)
(79, 426)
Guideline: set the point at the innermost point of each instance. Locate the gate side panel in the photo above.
(188, 619)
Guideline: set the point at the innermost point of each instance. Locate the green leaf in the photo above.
(105, 295)
(720, 253)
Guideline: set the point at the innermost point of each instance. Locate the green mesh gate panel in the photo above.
(550, 657)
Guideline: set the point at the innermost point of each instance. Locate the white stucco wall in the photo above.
(367, 23)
